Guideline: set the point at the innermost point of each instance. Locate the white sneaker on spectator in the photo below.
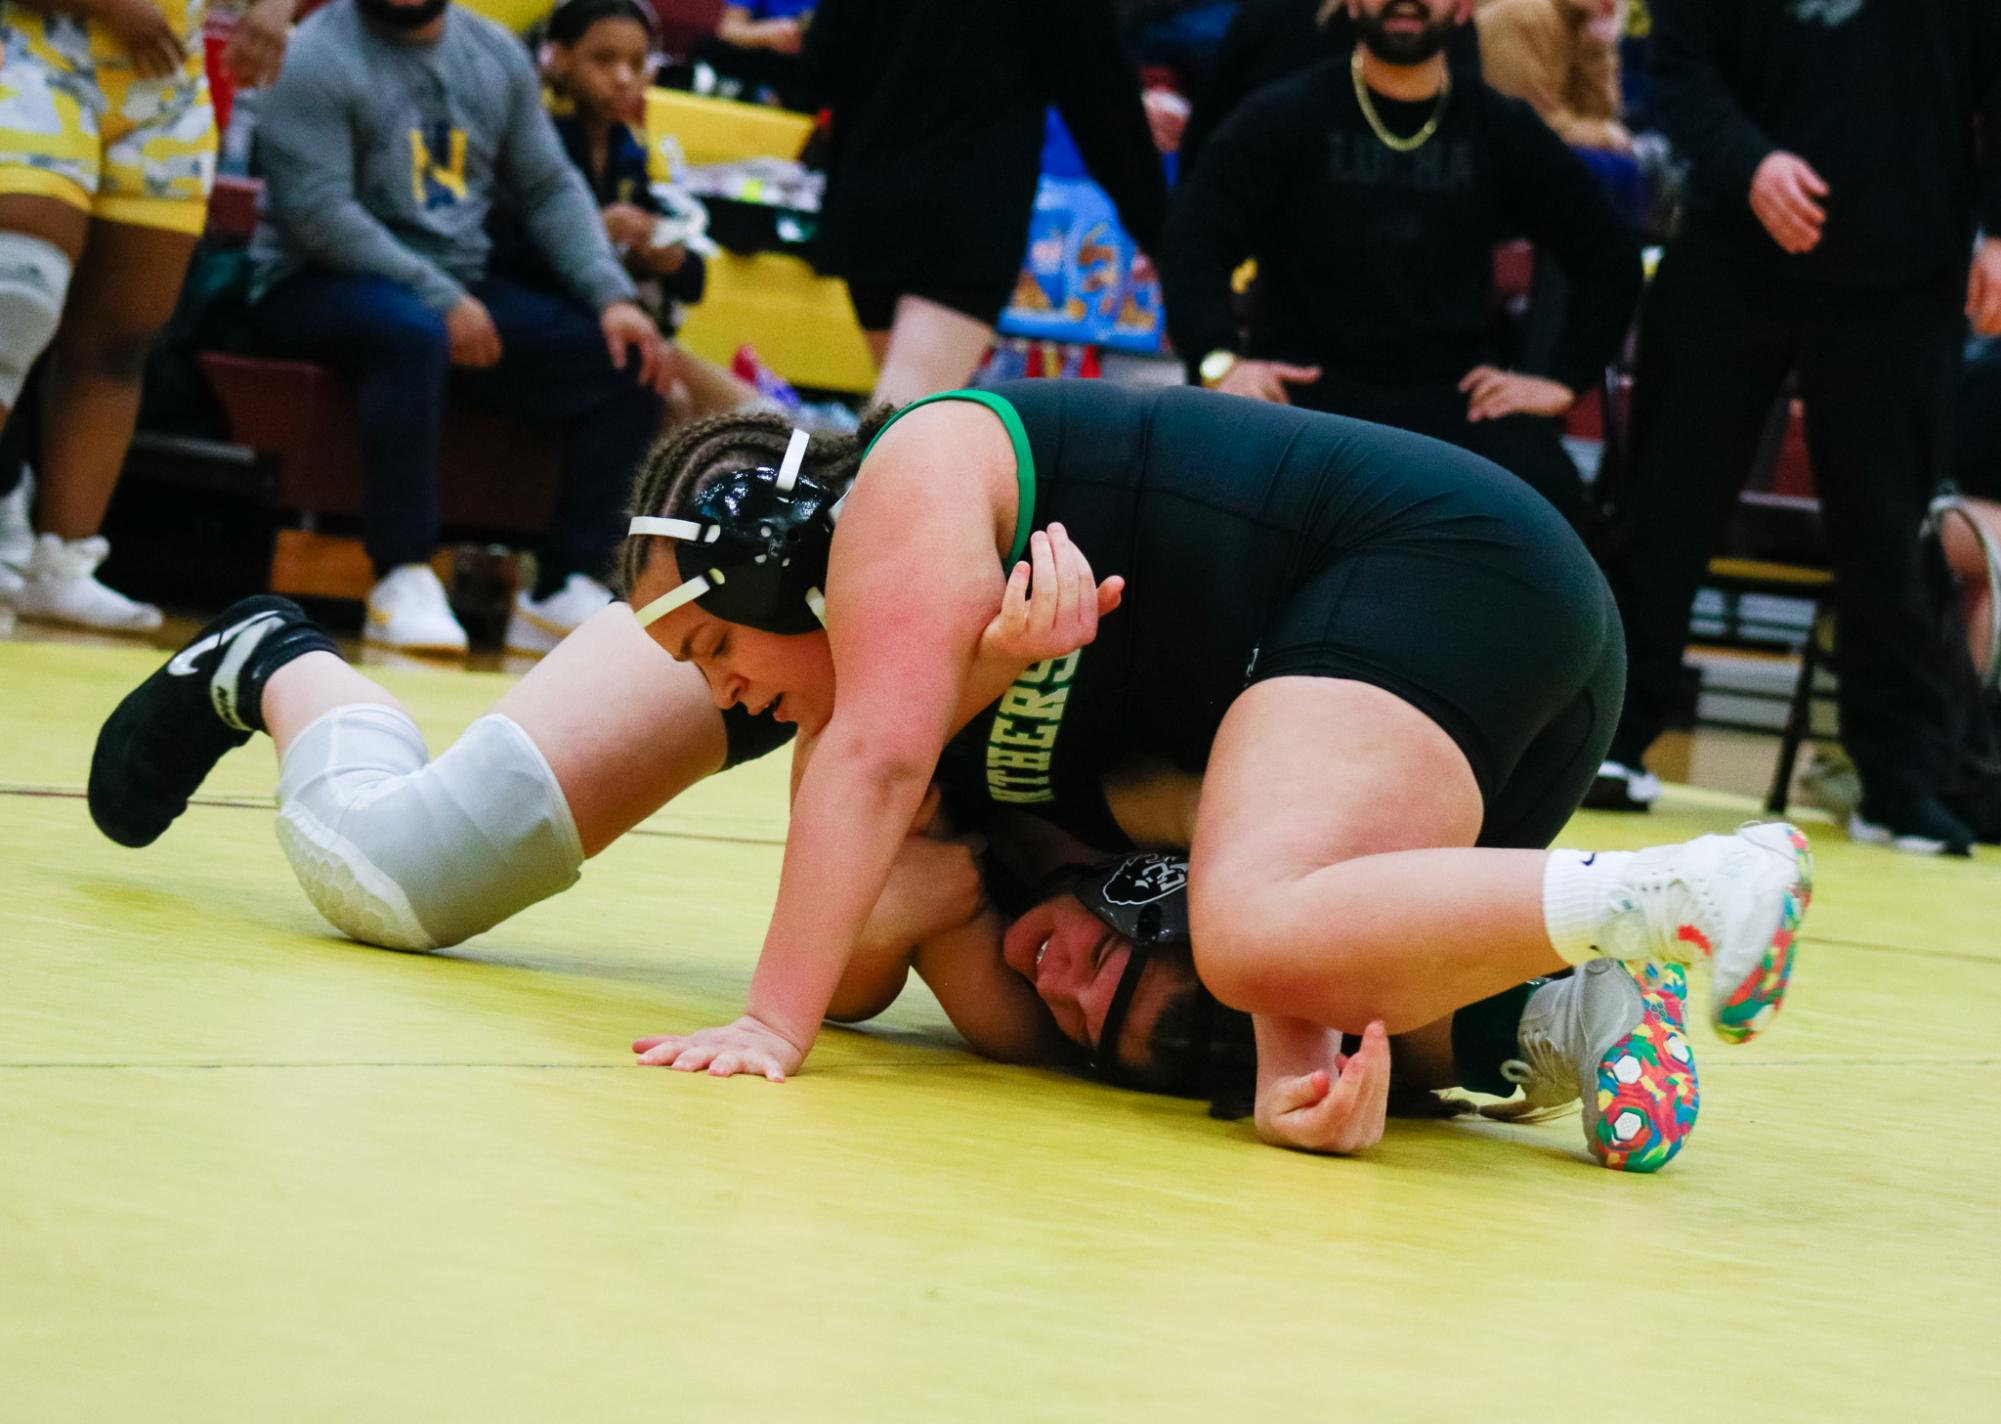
(537, 625)
(17, 535)
(60, 586)
(408, 610)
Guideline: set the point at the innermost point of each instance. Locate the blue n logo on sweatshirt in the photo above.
(438, 166)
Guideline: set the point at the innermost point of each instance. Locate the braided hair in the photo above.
(702, 452)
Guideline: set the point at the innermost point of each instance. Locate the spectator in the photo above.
(599, 58)
(1270, 40)
(1833, 198)
(775, 26)
(1183, 36)
(1371, 191)
(107, 154)
(383, 148)
(758, 45)
(1562, 58)
(937, 131)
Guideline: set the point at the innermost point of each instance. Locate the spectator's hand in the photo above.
(785, 36)
(1983, 289)
(627, 226)
(1492, 393)
(473, 338)
(1314, 1112)
(143, 32)
(629, 331)
(1166, 115)
(662, 261)
(1266, 380)
(1618, 138)
(1782, 197)
(256, 49)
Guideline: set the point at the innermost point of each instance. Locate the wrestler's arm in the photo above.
(912, 582)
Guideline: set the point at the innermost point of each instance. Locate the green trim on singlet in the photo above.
(1024, 459)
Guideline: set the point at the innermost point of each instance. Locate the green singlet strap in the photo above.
(1024, 459)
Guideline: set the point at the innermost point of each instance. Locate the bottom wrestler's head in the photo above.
(1107, 949)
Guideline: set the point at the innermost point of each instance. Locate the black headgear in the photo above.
(1144, 899)
(754, 551)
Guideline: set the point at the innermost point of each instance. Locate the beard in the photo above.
(402, 17)
(1413, 47)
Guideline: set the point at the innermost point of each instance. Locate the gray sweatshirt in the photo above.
(383, 157)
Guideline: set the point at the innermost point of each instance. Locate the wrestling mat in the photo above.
(250, 1170)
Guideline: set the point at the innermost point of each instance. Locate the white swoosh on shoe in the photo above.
(183, 662)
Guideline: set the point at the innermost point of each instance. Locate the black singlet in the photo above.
(1260, 541)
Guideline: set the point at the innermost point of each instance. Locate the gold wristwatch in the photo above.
(1216, 367)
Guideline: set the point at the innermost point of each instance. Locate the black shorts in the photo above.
(875, 304)
(1523, 666)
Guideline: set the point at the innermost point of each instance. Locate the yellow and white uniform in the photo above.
(78, 124)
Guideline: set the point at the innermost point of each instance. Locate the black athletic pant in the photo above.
(1877, 370)
(1529, 447)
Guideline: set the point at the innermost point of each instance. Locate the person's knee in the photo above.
(405, 853)
(406, 330)
(34, 280)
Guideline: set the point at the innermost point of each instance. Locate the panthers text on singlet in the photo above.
(1021, 742)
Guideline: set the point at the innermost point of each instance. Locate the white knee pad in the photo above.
(34, 279)
(399, 851)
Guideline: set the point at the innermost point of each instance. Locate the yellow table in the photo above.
(800, 322)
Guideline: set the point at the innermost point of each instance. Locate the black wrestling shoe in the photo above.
(1915, 825)
(161, 742)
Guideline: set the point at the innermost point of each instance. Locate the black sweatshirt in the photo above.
(1379, 265)
(937, 131)
(1880, 96)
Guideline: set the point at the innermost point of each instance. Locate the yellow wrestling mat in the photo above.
(251, 1171)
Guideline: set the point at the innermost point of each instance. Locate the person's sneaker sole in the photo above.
(1742, 1003)
(1646, 1098)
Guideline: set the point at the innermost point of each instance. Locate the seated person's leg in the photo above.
(395, 348)
(555, 366)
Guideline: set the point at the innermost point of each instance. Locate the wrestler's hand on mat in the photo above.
(1314, 1112)
(1983, 289)
(1052, 604)
(144, 34)
(746, 1046)
(1492, 393)
(256, 48)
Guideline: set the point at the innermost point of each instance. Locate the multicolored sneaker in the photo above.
(1615, 1039)
(1736, 901)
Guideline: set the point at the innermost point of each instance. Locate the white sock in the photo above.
(1578, 899)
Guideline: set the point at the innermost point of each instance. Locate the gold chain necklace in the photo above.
(1400, 145)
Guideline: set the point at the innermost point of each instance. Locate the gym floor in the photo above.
(250, 1170)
